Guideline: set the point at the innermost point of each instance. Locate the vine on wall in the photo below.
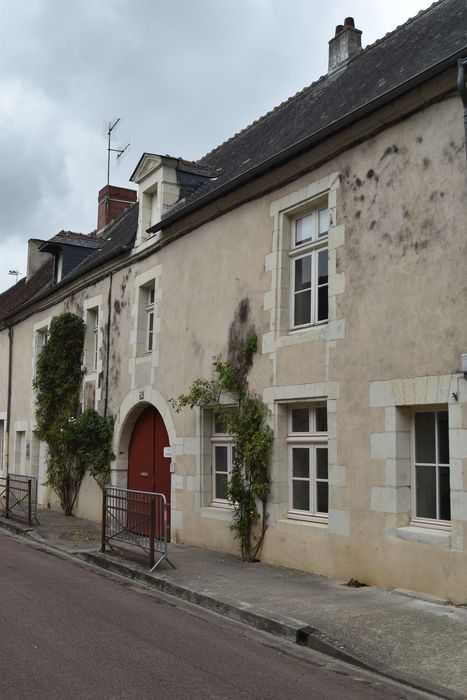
(76, 442)
(245, 421)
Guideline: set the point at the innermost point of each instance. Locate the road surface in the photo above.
(68, 631)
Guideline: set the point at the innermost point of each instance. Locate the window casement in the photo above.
(430, 470)
(150, 297)
(309, 269)
(308, 461)
(223, 455)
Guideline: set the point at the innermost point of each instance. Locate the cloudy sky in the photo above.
(182, 76)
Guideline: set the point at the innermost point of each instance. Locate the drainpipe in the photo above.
(107, 359)
(8, 410)
(462, 87)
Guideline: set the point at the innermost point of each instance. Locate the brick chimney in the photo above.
(111, 201)
(346, 43)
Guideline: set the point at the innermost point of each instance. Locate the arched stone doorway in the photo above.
(148, 468)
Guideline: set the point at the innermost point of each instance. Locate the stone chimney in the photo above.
(346, 43)
(111, 202)
(35, 257)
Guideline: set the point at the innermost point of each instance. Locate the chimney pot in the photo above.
(349, 22)
(339, 29)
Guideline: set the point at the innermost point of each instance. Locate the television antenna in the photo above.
(110, 127)
(16, 273)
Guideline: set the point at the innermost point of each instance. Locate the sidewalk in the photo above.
(419, 641)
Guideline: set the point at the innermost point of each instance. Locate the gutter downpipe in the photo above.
(462, 87)
(107, 359)
(8, 410)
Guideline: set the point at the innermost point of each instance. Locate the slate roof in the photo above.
(421, 48)
(115, 238)
(25, 290)
(79, 240)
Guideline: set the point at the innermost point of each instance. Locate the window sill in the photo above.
(217, 512)
(425, 535)
(303, 335)
(290, 524)
(143, 359)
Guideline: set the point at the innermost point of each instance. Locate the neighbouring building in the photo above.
(335, 228)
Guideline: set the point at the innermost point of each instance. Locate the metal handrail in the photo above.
(18, 496)
(137, 518)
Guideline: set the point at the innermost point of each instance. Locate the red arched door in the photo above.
(148, 469)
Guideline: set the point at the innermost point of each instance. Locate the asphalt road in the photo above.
(67, 631)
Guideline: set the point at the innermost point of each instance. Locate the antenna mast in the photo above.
(119, 151)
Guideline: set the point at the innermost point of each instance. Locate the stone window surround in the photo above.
(277, 298)
(138, 354)
(92, 305)
(279, 400)
(20, 453)
(399, 398)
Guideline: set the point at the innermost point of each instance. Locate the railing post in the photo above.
(165, 526)
(29, 503)
(7, 497)
(151, 533)
(104, 519)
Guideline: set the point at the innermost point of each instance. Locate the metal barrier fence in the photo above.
(138, 518)
(18, 496)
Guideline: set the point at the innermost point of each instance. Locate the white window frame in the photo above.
(437, 522)
(150, 303)
(308, 249)
(313, 440)
(220, 439)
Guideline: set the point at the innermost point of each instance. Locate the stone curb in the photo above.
(287, 628)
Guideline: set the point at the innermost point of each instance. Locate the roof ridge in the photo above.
(322, 78)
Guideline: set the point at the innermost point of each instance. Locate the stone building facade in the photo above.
(333, 228)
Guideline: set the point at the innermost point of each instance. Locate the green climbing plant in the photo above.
(76, 441)
(250, 482)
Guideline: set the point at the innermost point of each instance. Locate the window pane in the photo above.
(323, 303)
(301, 495)
(426, 491)
(300, 420)
(302, 310)
(425, 450)
(322, 462)
(321, 419)
(304, 229)
(321, 497)
(303, 273)
(221, 458)
(323, 222)
(221, 486)
(323, 267)
(301, 462)
(218, 425)
(443, 439)
(444, 494)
